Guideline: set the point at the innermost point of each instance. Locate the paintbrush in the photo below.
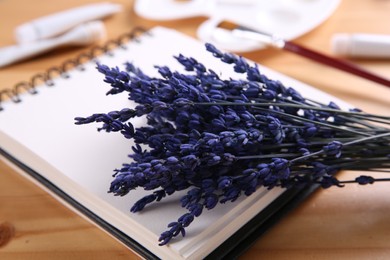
(243, 32)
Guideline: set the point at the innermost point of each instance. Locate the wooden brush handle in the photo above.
(336, 63)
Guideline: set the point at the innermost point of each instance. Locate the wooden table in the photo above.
(337, 223)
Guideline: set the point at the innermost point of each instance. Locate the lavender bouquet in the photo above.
(220, 139)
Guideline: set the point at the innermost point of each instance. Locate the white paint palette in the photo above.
(287, 19)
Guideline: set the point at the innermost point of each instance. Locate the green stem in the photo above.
(266, 103)
(375, 180)
(345, 144)
(266, 156)
(367, 139)
(313, 122)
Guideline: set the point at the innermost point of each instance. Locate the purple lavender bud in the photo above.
(123, 76)
(140, 204)
(241, 65)
(270, 181)
(191, 161)
(195, 122)
(231, 117)
(186, 62)
(228, 158)
(159, 194)
(157, 105)
(302, 143)
(276, 86)
(242, 136)
(185, 200)
(165, 237)
(226, 138)
(282, 168)
(104, 69)
(333, 105)
(224, 182)
(363, 180)
(211, 48)
(269, 94)
(210, 200)
(253, 74)
(195, 209)
(176, 228)
(219, 124)
(255, 135)
(252, 91)
(187, 148)
(275, 128)
(215, 110)
(128, 131)
(310, 131)
(134, 70)
(264, 172)
(358, 110)
(208, 185)
(172, 160)
(217, 95)
(228, 58)
(329, 181)
(164, 71)
(186, 219)
(211, 139)
(182, 102)
(194, 195)
(204, 98)
(213, 160)
(333, 148)
(304, 151)
(231, 194)
(295, 95)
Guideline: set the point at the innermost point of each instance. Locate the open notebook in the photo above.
(75, 163)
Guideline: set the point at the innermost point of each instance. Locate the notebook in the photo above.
(75, 164)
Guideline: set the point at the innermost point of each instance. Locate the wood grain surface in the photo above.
(337, 223)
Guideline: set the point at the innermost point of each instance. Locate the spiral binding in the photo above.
(63, 69)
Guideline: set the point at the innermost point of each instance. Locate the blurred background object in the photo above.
(288, 19)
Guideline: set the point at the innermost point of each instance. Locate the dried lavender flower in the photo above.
(220, 139)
